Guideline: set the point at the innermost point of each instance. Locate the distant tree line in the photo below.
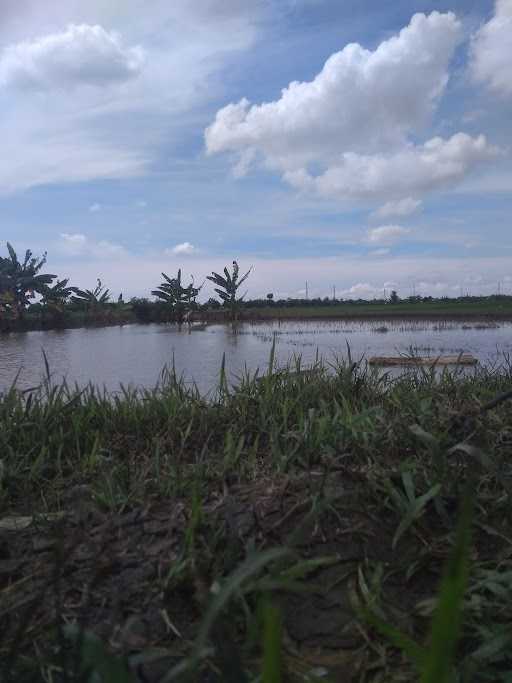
(30, 297)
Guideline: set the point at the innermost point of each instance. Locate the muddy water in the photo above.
(136, 354)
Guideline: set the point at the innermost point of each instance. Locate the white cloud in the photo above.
(361, 100)
(380, 252)
(387, 234)
(156, 70)
(399, 207)
(347, 133)
(361, 290)
(185, 248)
(79, 245)
(64, 157)
(80, 55)
(94, 208)
(491, 51)
(437, 163)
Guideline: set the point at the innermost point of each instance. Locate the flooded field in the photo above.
(136, 354)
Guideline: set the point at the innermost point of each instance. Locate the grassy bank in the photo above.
(295, 524)
(423, 309)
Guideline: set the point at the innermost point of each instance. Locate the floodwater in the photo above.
(136, 354)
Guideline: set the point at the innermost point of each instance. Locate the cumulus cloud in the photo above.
(347, 133)
(185, 248)
(80, 55)
(436, 164)
(360, 100)
(387, 234)
(399, 207)
(491, 51)
(79, 245)
(94, 208)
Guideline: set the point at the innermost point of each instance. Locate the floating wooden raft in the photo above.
(461, 359)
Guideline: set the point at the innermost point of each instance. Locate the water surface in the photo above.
(135, 354)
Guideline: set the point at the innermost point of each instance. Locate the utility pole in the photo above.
(499, 287)
(307, 297)
(334, 292)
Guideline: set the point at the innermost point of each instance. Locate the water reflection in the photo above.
(136, 354)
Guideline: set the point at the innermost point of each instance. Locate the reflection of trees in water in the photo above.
(231, 334)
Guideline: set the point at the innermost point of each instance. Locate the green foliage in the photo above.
(95, 664)
(92, 299)
(55, 297)
(20, 281)
(227, 287)
(178, 298)
(272, 666)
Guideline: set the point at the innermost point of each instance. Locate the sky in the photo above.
(359, 145)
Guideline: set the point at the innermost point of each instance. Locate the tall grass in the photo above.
(340, 443)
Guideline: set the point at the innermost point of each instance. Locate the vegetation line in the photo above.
(31, 299)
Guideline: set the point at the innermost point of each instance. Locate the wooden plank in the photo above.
(461, 359)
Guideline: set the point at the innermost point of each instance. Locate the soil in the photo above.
(111, 574)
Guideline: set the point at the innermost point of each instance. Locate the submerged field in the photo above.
(144, 311)
(286, 529)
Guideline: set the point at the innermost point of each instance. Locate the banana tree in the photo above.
(20, 281)
(92, 299)
(180, 299)
(55, 298)
(228, 286)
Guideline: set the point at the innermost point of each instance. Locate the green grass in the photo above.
(450, 309)
(310, 520)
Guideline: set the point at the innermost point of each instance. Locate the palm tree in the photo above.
(21, 281)
(228, 286)
(180, 299)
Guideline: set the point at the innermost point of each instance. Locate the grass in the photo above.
(498, 309)
(299, 526)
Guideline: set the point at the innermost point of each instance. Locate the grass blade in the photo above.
(447, 621)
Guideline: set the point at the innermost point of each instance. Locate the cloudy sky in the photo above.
(360, 144)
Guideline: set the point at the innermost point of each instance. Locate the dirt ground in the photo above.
(119, 575)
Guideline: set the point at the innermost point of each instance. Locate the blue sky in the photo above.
(359, 144)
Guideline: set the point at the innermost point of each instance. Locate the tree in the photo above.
(212, 303)
(180, 299)
(21, 281)
(55, 298)
(393, 297)
(270, 298)
(228, 286)
(92, 299)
